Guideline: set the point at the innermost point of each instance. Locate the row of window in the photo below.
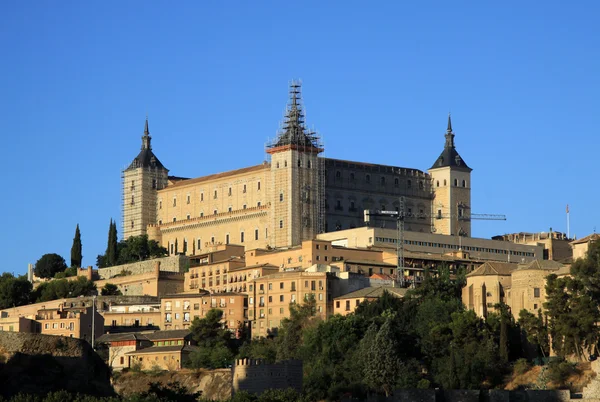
(215, 194)
(187, 304)
(464, 183)
(215, 211)
(456, 247)
(174, 246)
(299, 163)
(382, 180)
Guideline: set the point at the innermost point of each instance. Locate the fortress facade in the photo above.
(293, 196)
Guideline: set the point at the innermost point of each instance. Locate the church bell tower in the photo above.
(140, 182)
(451, 183)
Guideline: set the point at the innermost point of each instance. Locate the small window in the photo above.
(132, 224)
(382, 180)
(258, 186)
(280, 224)
(244, 190)
(174, 219)
(258, 204)
(241, 237)
(227, 239)
(229, 209)
(464, 183)
(455, 182)
(244, 206)
(201, 196)
(445, 183)
(280, 197)
(174, 202)
(160, 205)
(188, 199)
(437, 183)
(338, 174)
(188, 216)
(215, 195)
(229, 191)
(396, 182)
(215, 212)
(409, 183)
(368, 178)
(536, 292)
(352, 176)
(255, 234)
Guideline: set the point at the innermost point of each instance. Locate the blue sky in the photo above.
(77, 79)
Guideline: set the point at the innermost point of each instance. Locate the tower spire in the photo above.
(449, 134)
(449, 130)
(146, 137)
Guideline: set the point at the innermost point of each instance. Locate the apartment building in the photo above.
(270, 297)
(348, 303)
(74, 322)
(179, 310)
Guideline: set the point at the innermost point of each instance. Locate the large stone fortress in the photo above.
(292, 196)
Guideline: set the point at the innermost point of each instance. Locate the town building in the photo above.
(74, 322)
(293, 196)
(581, 246)
(119, 345)
(179, 310)
(347, 303)
(556, 244)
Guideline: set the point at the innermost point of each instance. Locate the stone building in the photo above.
(256, 376)
(556, 244)
(581, 246)
(347, 303)
(487, 286)
(292, 197)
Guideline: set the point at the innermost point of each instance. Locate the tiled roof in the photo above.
(381, 276)
(374, 292)
(164, 349)
(546, 265)
(564, 270)
(169, 334)
(265, 265)
(127, 336)
(494, 268)
(592, 237)
(220, 175)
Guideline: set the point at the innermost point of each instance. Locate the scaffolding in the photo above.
(298, 172)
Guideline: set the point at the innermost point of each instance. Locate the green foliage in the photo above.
(62, 288)
(217, 356)
(263, 348)
(521, 366)
(173, 391)
(49, 265)
(111, 255)
(76, 256)
(535, 332)
(14, 291)
(135, 248)
(110, 290)
(289, 337)
(559, 371)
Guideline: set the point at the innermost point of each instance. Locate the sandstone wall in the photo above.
(174, 263)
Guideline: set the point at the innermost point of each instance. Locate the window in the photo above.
(293, 286)
(199, 244)
(244, 206)
(536, 292)
(227, 238)
(174, 202)
(229, 191)
(444, 182)
(347, 305)
(280, 197)
(409, 183)
(351, 176)
(464, 183)
(132, 224)
(280, 285)
(337, 304)
(255, 234)
(280, 224)
(174, 220)
(132, 200)
(168, 306)
(215, 212)
(241, 237)
(281, 297)
(201, 196)
(187, 216)
(437, 183)
(455, 182)
(215, 195)
(229, 209)
(382, 180)
(258, 204)
(160, 205)
(396, 182)
(188, 198)
(244, 189)
(338, 175)
(270, 286)
(258, 186)
(368, 178)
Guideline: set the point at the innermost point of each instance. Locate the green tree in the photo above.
(383, 365)
(535, 332)
(110, 290)
(209, 331)
(76, 256)
(49, 265)
(289, 337)
(63, 288)
(111, 255)
(14, 291)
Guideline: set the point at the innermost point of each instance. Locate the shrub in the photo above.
(559, 371)
(521, 366)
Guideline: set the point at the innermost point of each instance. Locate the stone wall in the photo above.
(256, 376)
(174, 263)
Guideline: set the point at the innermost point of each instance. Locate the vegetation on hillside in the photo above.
(49, 265)
(135, 248)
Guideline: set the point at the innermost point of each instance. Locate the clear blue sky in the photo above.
(77, 78)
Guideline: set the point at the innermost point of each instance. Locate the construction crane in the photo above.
(400, 216)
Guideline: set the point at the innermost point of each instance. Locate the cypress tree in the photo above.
(503, 339)
(111, 248)
(76, 256)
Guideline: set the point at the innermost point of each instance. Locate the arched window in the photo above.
(464, 183)
(280, 197)
(277, 165)
(437, 183)
(445, 182)
(368, 178)
(338, 174)
(455, 182)
(409, 183)
(421, 185)
(396, 182)
(352, 176)
(308, 164)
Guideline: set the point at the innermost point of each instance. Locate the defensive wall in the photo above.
(256, 376)
(174, 263)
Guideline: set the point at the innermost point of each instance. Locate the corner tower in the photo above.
(140, 182)
(451, 183)
(297, 178)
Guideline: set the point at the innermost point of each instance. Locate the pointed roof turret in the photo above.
(449, 156)
(146, 157)
(294, 131)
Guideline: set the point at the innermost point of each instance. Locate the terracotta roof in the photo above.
(169, 334)
(126, 336)
(494, 268)
(164, 349)
(374, 292)
(592, 237)
(546, 265)
(381, 276)
(220, 175)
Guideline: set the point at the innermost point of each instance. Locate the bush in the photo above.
(136, 366)
(559, 371)
(521, 366)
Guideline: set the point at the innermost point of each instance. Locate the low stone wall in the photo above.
(174, 263)
(440, 395)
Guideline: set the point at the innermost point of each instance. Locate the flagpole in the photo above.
(568, 223)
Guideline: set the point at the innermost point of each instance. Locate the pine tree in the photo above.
(76, 256)
(111, 248)
(381, 371)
